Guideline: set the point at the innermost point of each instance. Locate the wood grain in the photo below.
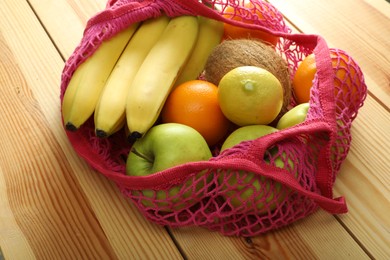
(54, 206)
(52, 217)
(70, 200)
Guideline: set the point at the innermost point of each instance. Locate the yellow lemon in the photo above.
(250, 95)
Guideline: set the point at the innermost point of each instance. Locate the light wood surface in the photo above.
(54, 206)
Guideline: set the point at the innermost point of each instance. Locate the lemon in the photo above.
(250, 95)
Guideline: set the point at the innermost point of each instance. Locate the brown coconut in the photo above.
(248, 52)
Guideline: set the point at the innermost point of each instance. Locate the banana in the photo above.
(157, 74)
(210, 35)
(88, 80)
(110, 111)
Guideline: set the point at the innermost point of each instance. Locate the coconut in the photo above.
(231, 54)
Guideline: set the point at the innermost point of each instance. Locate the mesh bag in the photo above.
(255, 186)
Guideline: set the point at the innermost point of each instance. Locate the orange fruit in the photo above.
(195, 103)
(303, 79)
(261, 10)
(348, 81)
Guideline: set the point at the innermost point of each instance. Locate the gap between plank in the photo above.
(175, 242)
(361, 245)
(47, 33)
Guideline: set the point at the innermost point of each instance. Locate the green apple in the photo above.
(162, 147)
(245, 133)
(243, 190)
(294, 116)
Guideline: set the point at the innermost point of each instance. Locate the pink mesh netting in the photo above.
(257, 185)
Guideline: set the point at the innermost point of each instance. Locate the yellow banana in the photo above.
(157, 74)
(88, 80)
(210, 35)
(110, 111)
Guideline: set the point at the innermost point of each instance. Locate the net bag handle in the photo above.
(327, 124)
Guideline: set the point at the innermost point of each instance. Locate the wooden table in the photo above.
(54, 206)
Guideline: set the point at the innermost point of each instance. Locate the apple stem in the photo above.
(134, 151)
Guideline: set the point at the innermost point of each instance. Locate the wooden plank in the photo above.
(33, 171)
(63, 208)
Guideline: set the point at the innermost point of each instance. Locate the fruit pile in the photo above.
(189, 89)
(146, 75)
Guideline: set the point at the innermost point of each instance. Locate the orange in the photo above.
(195, 103)
(235, 32)
(303, 79)
(348, 81)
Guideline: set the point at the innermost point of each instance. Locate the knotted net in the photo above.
(258, 185)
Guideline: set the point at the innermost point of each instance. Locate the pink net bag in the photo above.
(258, 185)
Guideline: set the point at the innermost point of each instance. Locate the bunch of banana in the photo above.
(179, 56)
(127, 80)
(110, 110)
(88, 80)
